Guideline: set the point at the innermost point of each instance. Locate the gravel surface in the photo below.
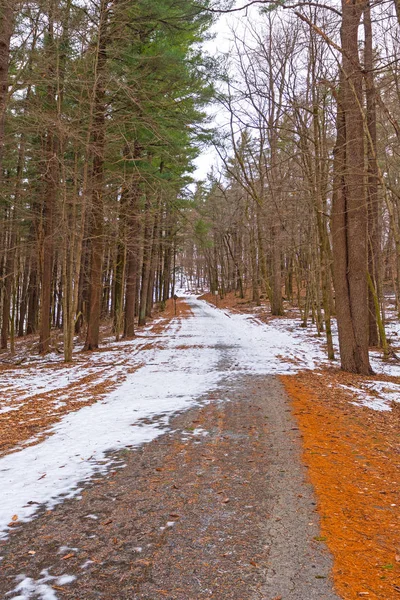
(218, 507)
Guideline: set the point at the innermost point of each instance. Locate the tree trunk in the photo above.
(146, 263)
(349, 213)
(119, 268)
(51, 167)
(97, 183)
(373, 179)
(50, 176)
(7, 8)
(276, 304)
(132, 251)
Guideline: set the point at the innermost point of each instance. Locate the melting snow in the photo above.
(197, 352)
(28, 588)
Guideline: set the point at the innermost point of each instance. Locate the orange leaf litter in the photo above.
(28, 423)
(353, 460)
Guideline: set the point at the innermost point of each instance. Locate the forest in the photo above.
(199, 299)
(102, 113)
(105, 106)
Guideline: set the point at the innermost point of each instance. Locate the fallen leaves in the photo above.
(58, 587)
(253, 563)
(353, 464)
(29, 421)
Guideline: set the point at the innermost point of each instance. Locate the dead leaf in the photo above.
(14, 518)
(67, 556)
(253, 562)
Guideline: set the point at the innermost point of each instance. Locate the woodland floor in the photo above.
(265, 486)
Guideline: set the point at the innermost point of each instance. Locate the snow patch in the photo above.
(40, 589)
(376, 395)
(196, 354)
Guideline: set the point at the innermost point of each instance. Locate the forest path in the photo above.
(219, 506)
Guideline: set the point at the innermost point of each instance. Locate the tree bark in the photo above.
(97, 183)
(349, 210)
(146, 263)
(132, 266)
(50, 177)
(373, 180)
(7, 8)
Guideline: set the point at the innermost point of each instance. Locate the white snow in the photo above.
(199, 431)
(194, 355)
(28, 588)
(35, 378)
(375, 394)
(65, 549)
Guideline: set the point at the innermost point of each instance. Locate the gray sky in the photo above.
(221, 44)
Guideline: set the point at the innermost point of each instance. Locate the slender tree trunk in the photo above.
(7, 9)
(276, 305)
(132, 251)
(153, 262)
(50, 190)
(373, 179)
(48, 243)
(6, 29)
(97, 183)
(146, 263)
(119, 267)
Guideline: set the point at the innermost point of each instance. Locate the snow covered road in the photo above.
(195, 354)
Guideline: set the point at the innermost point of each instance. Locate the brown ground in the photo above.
(353, 454)
(30, 422)
(227, 515)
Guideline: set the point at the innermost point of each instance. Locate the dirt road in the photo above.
(219, 507)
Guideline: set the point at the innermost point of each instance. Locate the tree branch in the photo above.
(277, 3)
